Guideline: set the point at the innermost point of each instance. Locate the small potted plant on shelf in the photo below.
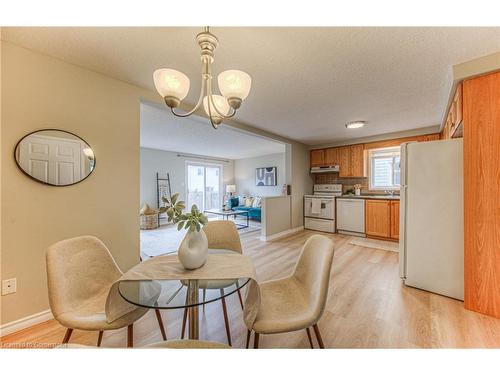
(193, 250)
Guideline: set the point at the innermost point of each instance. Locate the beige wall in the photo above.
(43, 92)
(244, 175)
(38, 92)
(276, 215)
(301, 181)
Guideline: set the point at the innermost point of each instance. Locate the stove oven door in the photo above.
(327, 208)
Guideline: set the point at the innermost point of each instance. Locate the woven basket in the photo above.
(149, 221)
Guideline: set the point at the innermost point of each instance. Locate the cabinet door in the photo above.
(332, 156)
(317, 158)
(378, 218)
(395, 220)
(344, 164)
(357, 161)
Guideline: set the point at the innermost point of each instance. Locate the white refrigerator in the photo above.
(431, 218)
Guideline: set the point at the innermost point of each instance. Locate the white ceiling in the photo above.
(307, 82)
(194, 135)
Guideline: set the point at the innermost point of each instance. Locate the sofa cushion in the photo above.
(233, 202)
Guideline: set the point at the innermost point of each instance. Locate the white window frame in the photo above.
(371, 156)
(204, 165)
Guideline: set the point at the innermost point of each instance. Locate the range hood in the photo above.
(329, 169)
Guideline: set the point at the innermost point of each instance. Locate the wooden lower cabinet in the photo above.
(378, 218)
(382, 219)
(395, 220)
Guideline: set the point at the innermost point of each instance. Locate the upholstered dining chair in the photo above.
(80, 272)
(221, 234)
(297, 302)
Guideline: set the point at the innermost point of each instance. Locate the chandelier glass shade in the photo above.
(234, 85)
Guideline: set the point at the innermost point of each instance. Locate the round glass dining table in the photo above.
(179, 294)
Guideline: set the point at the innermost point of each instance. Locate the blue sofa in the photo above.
(253, 212)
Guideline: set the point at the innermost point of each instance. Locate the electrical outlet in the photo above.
(9, 286)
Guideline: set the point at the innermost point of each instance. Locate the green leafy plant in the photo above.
(191, 221)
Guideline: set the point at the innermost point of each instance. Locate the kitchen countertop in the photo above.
(367, 196)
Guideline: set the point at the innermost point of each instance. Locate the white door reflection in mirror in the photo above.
(55, 157)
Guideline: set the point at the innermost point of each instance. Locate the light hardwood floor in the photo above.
(367, 307)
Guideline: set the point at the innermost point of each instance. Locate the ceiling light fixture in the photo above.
(355, 124)
(234, 85)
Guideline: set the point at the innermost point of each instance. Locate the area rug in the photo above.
(375, 244)
(166, 239)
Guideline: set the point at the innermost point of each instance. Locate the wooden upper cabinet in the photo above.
(378, 218)
(357, 161)
(395, 220)
(344, 163)
(429, 137)
(332, 156)
(351, 161)
(454, 116)
(458, 106)
(317, 158)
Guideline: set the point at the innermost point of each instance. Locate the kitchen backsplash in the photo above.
(347, 182)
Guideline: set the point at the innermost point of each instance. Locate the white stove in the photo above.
(319, 208)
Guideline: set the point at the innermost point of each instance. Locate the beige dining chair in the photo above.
(80, 272)
(297, 302)
(221, 234)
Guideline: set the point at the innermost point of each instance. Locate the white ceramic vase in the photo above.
(193, 250)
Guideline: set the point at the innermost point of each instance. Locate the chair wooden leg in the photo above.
(226, 320)
(184, 319)
(256, 341)
(239, 295)
(67, 335)
(130, 336)
(318, 336)
(99, 339)
(309, 337)
(248, 338)
(160, 323)
(241, 299)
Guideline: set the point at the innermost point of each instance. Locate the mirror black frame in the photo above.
(43, 182)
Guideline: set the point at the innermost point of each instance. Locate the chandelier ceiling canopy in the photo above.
(234, 85)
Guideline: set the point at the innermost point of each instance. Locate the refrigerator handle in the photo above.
(402, 212)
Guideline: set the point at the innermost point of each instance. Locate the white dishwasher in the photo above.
(351, 216)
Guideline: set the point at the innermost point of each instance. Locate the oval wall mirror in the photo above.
(55, 157)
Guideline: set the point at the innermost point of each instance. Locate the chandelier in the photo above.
(234, 85)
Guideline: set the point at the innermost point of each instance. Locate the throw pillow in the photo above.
(257, 202)
(248, 202)
(233, 202)
(241, 201)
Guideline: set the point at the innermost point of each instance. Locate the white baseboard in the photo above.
(285, 233)
(25, 322)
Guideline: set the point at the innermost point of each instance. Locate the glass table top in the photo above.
(173, 294)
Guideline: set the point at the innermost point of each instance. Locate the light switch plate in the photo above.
(9, 286)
